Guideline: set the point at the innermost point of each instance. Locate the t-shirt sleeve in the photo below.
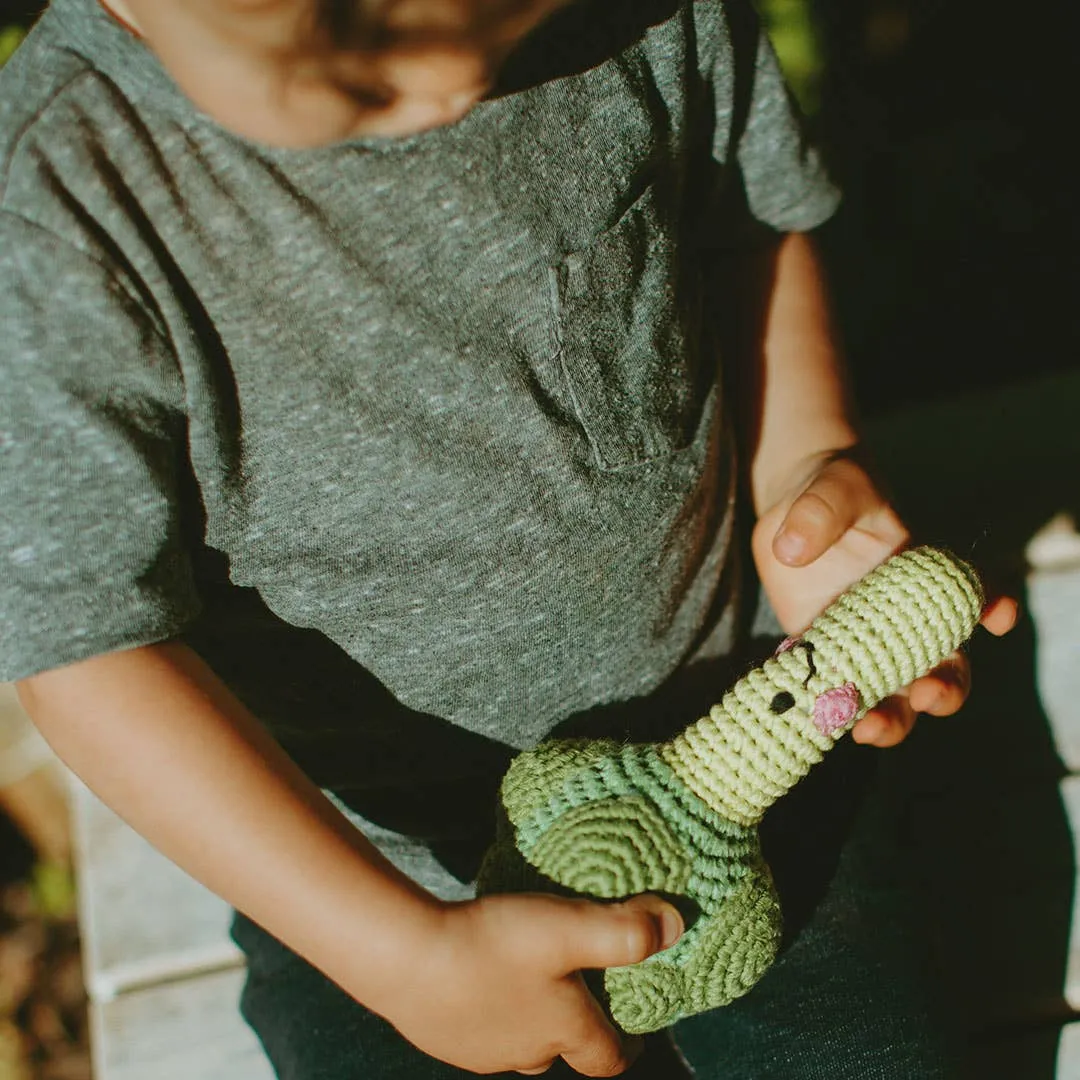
(92, 461)
(760, 127)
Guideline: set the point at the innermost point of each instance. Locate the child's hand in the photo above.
(830, 528)
(499, 987)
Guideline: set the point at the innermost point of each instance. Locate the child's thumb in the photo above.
(611, 935)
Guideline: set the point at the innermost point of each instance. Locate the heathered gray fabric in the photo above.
(446, 403)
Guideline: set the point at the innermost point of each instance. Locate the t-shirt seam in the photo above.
(38, 117)
(113, 277)
(88, 71)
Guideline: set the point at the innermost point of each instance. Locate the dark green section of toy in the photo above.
(610, 821)
(718, 959)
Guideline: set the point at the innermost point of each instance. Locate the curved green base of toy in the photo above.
(609, 821)
(717, 960)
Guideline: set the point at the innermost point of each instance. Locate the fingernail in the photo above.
(671, 926)
(789, 547)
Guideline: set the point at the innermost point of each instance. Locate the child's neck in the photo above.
(119, 11)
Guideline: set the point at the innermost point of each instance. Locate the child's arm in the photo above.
(485, 985)
(823, 523)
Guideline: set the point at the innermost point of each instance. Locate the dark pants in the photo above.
(843, 1002)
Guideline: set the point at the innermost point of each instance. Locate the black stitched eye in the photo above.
(782, 702)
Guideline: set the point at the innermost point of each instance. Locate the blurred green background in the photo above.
(947, 125)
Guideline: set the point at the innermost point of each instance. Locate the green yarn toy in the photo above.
(611, 820)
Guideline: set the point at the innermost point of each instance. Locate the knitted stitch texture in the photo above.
(609, 820)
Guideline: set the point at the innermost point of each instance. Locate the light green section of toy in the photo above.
(632, 849)
(527, 789)
(611, 820)
(896, 624)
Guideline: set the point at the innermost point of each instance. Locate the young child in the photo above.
(362, 422)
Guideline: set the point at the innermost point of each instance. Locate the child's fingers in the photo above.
(594, 935)
(943, 690)
(576, 935)
(837, 497)
(598, 1049)
(940, 693)
(1000, 614)
(887, 724)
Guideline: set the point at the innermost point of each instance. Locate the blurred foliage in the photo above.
(43, 1009)
(53, 890)
(793, 30)
(15, 19)
(10, 37)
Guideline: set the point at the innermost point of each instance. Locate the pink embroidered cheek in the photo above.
(836, 708)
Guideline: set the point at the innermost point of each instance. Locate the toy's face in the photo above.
(895, 625)
(800, 683)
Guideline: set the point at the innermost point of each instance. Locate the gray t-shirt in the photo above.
(419, 441)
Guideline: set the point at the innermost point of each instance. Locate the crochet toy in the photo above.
(611, 820)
